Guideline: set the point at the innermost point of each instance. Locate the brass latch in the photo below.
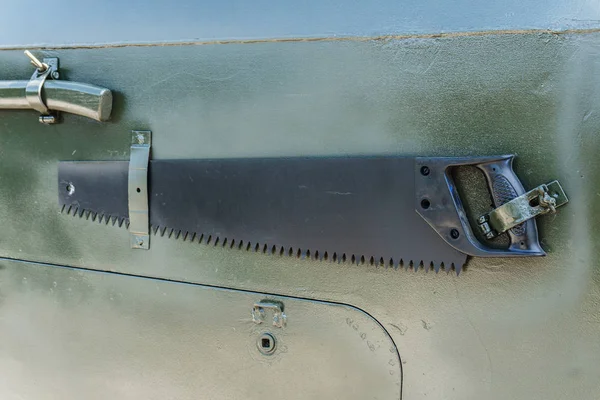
(542, 200)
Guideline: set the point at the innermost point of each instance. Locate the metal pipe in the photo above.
(71, 97)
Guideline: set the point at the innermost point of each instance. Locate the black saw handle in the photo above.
(438, 202)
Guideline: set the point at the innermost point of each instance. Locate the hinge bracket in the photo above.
(139, 222)
(542, 200)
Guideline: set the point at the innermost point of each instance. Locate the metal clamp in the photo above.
(259, 311)
(139, 222)
(49, 95)
(33, 90)
(542, 200)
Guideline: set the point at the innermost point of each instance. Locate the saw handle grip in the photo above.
(444, 211)
(504, 185)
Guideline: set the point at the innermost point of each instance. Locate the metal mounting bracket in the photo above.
(139, 222)
(277, 307)
(542, 200)
(46, 69)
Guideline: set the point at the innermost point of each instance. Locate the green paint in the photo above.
(506, 328)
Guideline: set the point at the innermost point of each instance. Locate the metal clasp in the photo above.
(260, 308)
(139, 221)
(542, 200)
(33, 91)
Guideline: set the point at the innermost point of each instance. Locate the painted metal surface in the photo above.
(503, 329)
(72, 334)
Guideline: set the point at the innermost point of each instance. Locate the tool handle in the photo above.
(72, 97)
(504, 186)
(445, 213)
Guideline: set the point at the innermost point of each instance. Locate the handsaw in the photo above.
(381, 210)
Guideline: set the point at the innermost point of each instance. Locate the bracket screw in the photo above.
(266, 344)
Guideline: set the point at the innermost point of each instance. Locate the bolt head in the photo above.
(266, 344)
(47, 119)
(55, 75)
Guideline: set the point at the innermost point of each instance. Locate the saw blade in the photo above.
(357, 209)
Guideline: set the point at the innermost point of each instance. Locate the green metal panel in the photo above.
(72, 334)
(504, 329)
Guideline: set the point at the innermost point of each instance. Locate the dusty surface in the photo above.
(504, 329)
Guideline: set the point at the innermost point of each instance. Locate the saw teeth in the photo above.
(376, 261)
(88, 215)
(447, 268)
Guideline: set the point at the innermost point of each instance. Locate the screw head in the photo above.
(47, 119)
(139, 241)
(425, 170)
(140, 138)
(55, 74)
(266, 344)
(454, 233)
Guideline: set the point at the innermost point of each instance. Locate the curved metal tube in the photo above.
(72, 97)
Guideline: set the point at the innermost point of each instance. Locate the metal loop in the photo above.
(33, 91)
